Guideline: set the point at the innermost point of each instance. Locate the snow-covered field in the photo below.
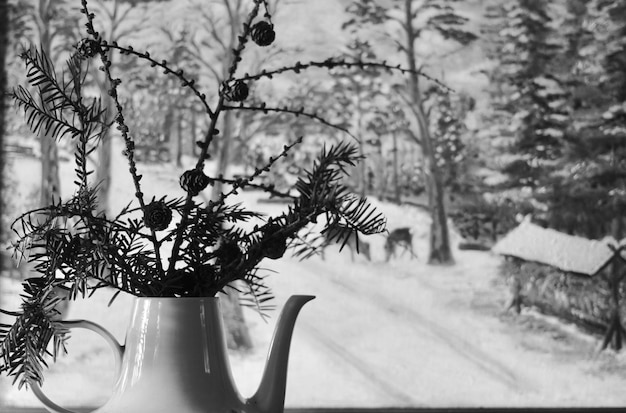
(378, 334)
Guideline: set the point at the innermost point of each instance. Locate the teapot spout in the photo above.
(270, 396)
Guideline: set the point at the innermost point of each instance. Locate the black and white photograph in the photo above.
(312, 206)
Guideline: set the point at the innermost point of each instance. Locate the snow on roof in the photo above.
(569, 253)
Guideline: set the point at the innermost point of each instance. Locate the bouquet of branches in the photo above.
(167, 246)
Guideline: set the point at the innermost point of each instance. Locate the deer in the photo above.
(399, 237)
(353, 242)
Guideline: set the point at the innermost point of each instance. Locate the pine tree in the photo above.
(588, 197)
(531, 95)
(415, 19)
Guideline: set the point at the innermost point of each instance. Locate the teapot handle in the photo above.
(118, 352)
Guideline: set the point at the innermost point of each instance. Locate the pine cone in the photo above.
(88, 48)
(180, 283)
(157, 215)
(238, 92)
(194, 181)
(274, 244)
(228, 253)
(263, 33)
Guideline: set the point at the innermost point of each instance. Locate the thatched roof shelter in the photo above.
(531, 242)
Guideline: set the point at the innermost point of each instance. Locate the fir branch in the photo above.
(244, 182)
(331, 63)
(242, 40)
(256, 293)
(321, 193)
(122, 127)
(91, 117)
(40, 119)
(296, 112)
(304, 247)
(267, 14)
(187, 209)
(41, 74)
(24, 344)
(359, 214)
(236, 58)
(178, 73)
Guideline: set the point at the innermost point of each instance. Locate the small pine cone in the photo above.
(88, 48)
(238, 92)
(228, 253)
(263, 33)
(275, 248)
(157, 215)
(194, 181)
(274, 244)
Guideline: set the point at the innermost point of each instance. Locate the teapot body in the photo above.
(175, 360)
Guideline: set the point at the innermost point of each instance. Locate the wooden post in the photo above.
(516, 296)
(615, 331)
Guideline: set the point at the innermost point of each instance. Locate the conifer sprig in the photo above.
(332, 63)
(241, 183)
(48, 113)
(291, 111)
(121, 126)
(77, 250)
(212, 132)
(163, 64)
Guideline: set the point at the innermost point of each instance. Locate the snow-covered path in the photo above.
(406, 341)
(400, 350)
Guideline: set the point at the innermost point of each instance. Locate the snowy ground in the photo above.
(378, 334)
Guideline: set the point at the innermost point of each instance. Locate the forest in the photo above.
(542, 133)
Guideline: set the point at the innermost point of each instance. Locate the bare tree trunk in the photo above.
(362, 170)
(103, 168)
(195, 150)
(440, 252)
(50, 181)
(396, 180)
(237, 334)
(50, 185)
(223, 155)
(168, 122)
(179, 140)
(50, 188)
(382, 172)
